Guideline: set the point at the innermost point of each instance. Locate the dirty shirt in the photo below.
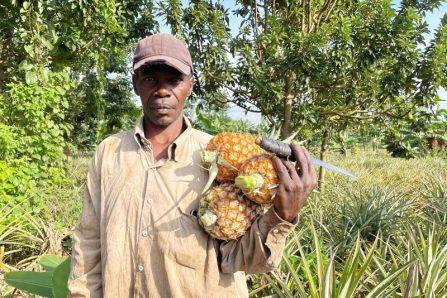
(139, 235)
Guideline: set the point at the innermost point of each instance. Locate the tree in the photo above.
(56, 63)
(92, 38)
(325, 65)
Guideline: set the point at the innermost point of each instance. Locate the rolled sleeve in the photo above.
(260, 249)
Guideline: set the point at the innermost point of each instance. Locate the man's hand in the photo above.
(295, 183)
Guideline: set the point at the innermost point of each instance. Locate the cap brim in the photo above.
(180, 66)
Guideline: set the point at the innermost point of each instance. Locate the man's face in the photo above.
(163, 91)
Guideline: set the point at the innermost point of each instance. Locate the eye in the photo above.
(176, 80)
(148, 79)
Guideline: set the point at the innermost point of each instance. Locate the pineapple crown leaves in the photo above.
(213, 159)
(209, 218)
(208, 157)
(276, 133)
(250, 183)
(212, 176)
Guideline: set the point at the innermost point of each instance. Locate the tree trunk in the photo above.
(341, 137)
(323, 156)
(288, 100)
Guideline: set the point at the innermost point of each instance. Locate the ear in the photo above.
(192, 85)
(134, 83)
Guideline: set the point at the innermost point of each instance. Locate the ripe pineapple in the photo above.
(225, 213)
(229, 149)
(258, 179)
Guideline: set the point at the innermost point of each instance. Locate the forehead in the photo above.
(154, 69)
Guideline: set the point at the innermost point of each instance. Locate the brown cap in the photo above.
(165, 49)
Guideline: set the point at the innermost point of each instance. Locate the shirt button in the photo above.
(149, 201)
(140, 268)
(144, 233)
(270, 262)
(275, 231)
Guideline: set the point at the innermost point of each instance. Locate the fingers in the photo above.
(302, 160)
(281, 169)
(305, 166)
(303, 169)
(311, 166)
(293, 173)
(284, 169)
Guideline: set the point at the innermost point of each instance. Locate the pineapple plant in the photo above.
(258, 179)
(228, 150)
(225, 213)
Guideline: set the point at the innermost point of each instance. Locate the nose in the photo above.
(163, 88)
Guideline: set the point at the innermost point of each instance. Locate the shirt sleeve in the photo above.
(260, 249)
(85, 276)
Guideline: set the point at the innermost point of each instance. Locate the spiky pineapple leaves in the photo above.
(212, 160)
(213, 169)
(209, 218)
(249, 183)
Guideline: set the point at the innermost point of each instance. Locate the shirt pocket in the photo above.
(187, 242)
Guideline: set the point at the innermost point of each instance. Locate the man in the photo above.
(138, 235)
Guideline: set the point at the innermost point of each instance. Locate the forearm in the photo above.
(85, 277)
(260, 249)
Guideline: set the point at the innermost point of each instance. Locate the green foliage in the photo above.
(24, 235)
(434, 193)
(36, 114)
(309, 66)
(93, 38)
(325, 276)
(32, 138)
(409, 137)
(215, 122)
(51, 283)
(120, 111)
(17, 184)
(370, 211)
(100, 109)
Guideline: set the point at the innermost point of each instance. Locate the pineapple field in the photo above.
(381, 235)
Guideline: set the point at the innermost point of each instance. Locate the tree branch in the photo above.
(225, 84)
(309, 16)
(245, 95)
(303, 17)
(266, 16)
(327, 8)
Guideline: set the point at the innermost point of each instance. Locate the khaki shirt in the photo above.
(138, 234)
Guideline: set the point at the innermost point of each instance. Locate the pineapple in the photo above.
(225, 213)
(229, 149)
(258, 179)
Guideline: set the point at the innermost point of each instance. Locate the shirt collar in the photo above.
(178, 143)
